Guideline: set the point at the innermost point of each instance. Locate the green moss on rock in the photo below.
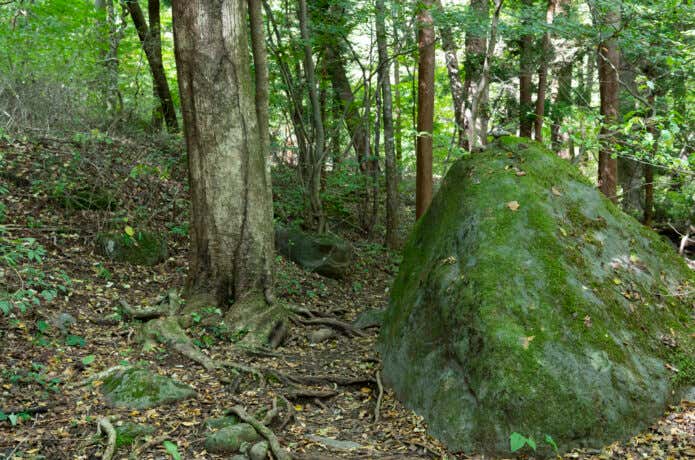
(545, 320)
(143, 248)
(230, 439)
(128, 433)
(137, 388)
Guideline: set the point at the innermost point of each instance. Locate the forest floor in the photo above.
(39, 365)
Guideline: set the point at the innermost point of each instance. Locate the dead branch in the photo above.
(264, 431)
(107, 427)
(309, 394)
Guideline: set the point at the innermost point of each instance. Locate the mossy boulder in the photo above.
(143, 248)
(230, 439)
(528, 303)
(326, 254)
(138, 388)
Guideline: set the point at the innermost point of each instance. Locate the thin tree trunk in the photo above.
(387, 116)
(231, 214)
(425, 109)
(608, 61)
(151, 44)
(318, 220)
(525, 76)
(397, 94)
(458, 95)
(563, 101)
(543, 73)
(630, 172)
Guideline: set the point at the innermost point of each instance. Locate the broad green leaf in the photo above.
(516, 441)
(87, 360)
(172, 450)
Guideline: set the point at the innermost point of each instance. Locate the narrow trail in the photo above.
(332, 385)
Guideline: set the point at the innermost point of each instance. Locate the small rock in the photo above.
(142, 248)
(327, 254)
(230, 438)
(321, 335)
(369, 318)
(138, 388)
(62, 322)
(259, 451)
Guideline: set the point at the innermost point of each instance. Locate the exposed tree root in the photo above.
(309, 394)
(377, 408)
(314, 318)
(98, 376)
(264, 431)
(106, 426)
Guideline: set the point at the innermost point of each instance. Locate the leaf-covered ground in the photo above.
(47, 415)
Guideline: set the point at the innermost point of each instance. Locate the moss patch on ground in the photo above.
(527, 302)
(137, 388)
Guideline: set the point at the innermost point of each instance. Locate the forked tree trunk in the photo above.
(387, 116)
(425, 109)
(151, 45)
(458, 93)
(608, 61)
(231, 211)
(475, 83)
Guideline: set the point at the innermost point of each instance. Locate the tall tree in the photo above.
(546, 55)
(608, 59)
(526, 109)
(425, 108)
(150, 38)
(231, 210)
(387, 115)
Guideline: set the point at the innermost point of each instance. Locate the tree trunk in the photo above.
(546, 56)
(476, 48)
(397, 94)
(630, 172)
(563, 102)
(526, 112)
(425, 109)
(608, 60)
(458, 95)
(150, 39)
(231, 211)
(387, 116)
(113, 36)
(317, 218)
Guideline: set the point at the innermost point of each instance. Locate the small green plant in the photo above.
(517, 441)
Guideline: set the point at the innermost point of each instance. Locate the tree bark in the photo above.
(387, 116)
(458, 95)
(526, 110)
(231, 212)
(608, 60)
(397, 93)
(630, 172)
(150, 39)
(425, 109)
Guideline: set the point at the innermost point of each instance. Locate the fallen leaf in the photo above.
(513, 205)
(526, 341)
(587, 321)
(556, 191)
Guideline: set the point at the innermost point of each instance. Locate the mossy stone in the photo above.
(128, 433)
(229, 439)
(143, 248)
(138, 388)
(327, 254)
(544, 319)
(215, 423)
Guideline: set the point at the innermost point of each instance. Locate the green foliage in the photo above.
(518, 441)
(172, 450)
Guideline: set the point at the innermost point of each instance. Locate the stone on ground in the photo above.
(128, 433)
(527, 303)
(229, 439)
(327, 254)
(138, 388)
(142, 248)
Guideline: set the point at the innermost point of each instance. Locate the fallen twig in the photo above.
(107, 427)
(267, 433)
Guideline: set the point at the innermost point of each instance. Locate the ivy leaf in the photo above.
(172, 450)
(516, 441)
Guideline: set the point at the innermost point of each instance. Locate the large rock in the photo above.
(143, 248)
(325, 254)
(526, 302)
(137, 388)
